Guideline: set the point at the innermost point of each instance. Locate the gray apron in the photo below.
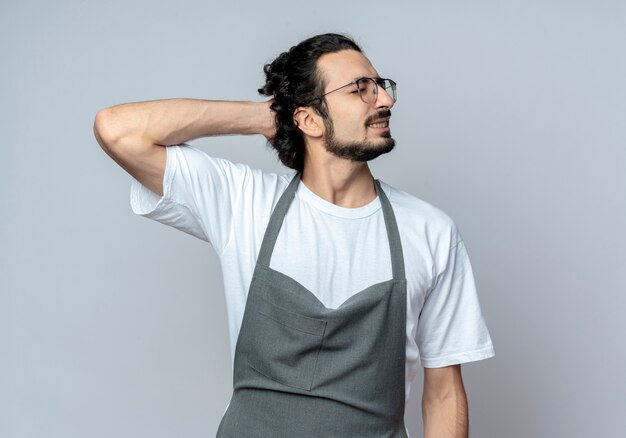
(303, 370)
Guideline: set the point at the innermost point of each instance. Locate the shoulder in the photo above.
(420, 218)
(191, 160)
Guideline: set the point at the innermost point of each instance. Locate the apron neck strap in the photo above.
(276, 221)
(395, 246)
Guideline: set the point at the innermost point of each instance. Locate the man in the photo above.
(337, 285)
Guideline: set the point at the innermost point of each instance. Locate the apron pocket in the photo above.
(286, 344)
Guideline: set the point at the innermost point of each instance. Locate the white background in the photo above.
(510, 117)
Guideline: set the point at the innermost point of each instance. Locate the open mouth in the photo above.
(380, 120)
(379, 124)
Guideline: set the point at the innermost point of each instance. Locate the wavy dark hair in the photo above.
(292, 79)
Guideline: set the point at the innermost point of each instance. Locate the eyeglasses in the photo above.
(368, 88)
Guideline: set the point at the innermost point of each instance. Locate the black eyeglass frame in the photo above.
(377, 82)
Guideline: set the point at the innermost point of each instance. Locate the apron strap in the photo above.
(395, 246)
(276, 221)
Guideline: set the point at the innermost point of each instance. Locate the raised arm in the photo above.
(444, 403)
(134, 134)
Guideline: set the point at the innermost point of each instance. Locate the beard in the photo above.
(364, 150)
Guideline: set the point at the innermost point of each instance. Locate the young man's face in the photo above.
(353, 127)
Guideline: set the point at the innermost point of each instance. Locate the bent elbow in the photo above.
(104, 128)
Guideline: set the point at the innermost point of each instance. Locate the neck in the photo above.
(344, 183)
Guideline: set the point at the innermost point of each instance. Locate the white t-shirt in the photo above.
(333, 251)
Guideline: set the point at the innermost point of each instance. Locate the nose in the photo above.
(383, 99)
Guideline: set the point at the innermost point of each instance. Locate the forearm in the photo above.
(175, 121)
(447, 416)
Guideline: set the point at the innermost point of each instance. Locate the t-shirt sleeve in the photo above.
(198, 195)
(451, 329)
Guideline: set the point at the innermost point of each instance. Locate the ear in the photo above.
(309, 122)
